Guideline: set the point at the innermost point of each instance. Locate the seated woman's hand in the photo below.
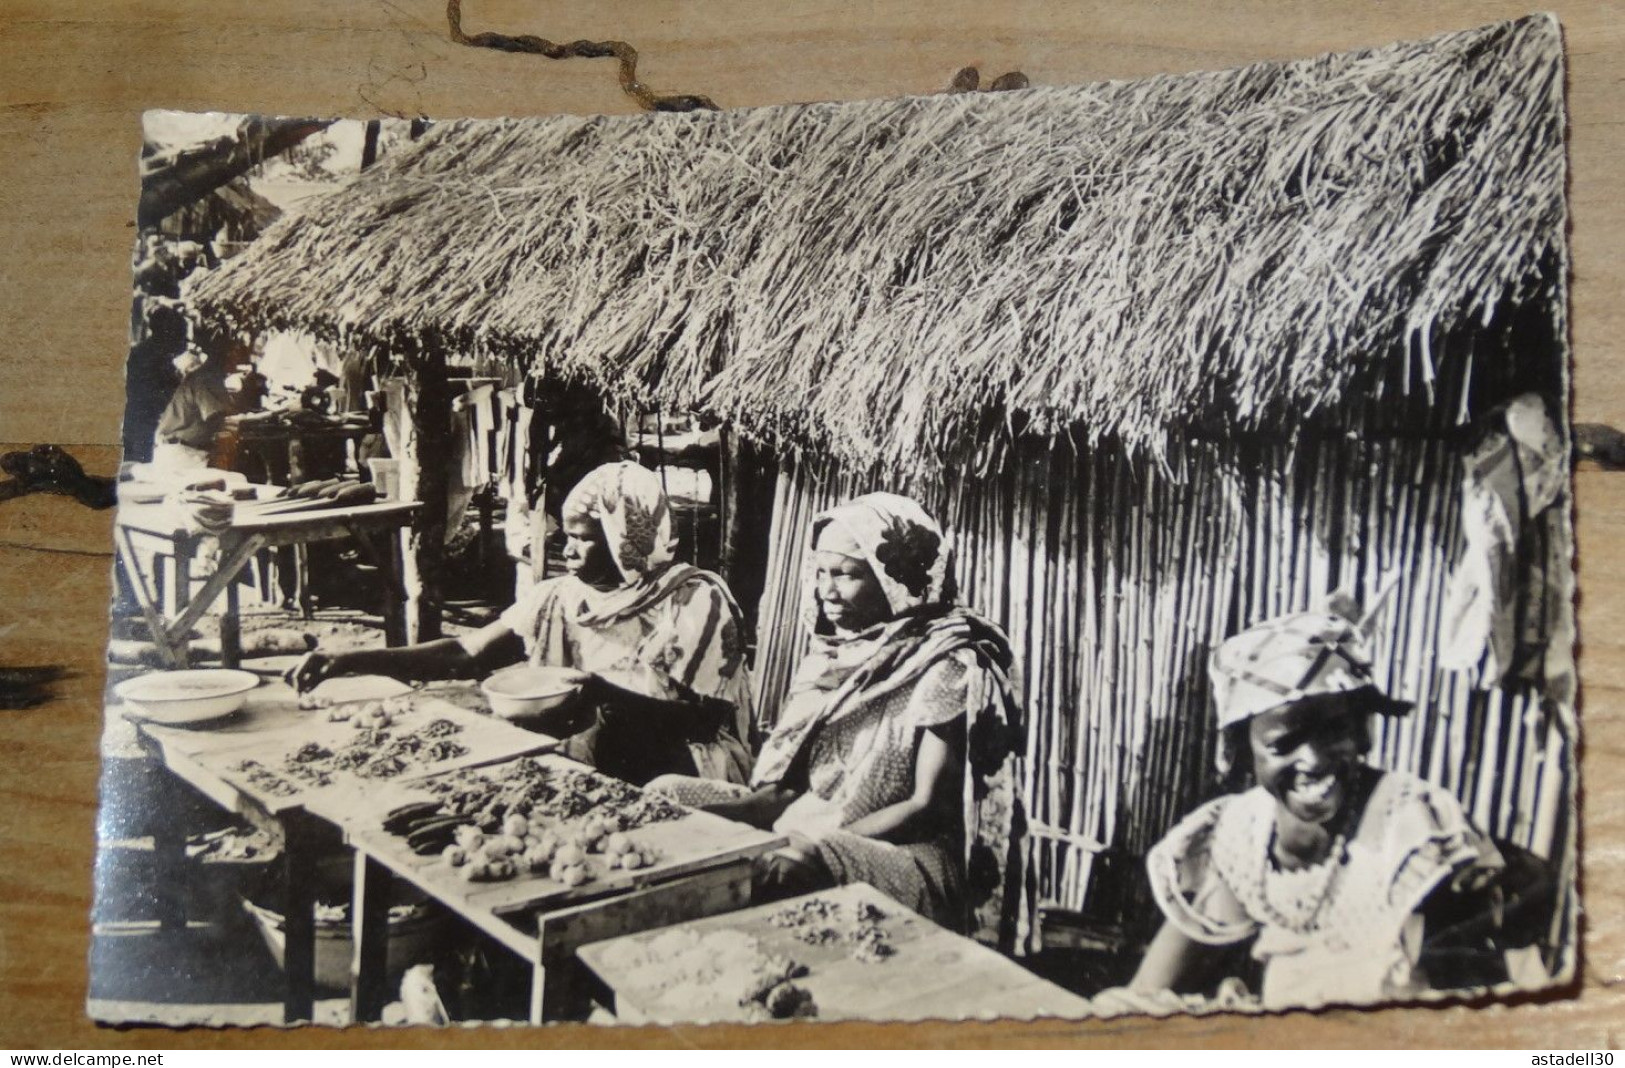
(581, 680)
(639, 678)
(789, 872)
(313, 669)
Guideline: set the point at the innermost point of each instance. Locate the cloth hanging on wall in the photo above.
(1508, 593)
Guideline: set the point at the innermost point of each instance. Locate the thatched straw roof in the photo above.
(1239, 249)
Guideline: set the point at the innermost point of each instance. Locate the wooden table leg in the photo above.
(395, 595)
(384, 552)
(301, 556)
(183, 596)
(299, 915)
(224, 580)
(369, 909)
(169, 855)
(231, 641)
(539, 992)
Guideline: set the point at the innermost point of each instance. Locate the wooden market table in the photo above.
(270, 727)
(164, 530)
(693, 972)
(702, 868)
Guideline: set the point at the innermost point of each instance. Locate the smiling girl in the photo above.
(1337, 871)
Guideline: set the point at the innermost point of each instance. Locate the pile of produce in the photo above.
(337, 490)
(695, 976)
(564, 824)
(772, 991)
(821, 922)
(380, 749)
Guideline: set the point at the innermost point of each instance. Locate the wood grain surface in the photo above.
(74, 77)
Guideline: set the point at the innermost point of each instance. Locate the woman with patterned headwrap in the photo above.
(1350, 884)
(893, 759)
(657, 646)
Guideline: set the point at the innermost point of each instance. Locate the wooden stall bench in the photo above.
(163, 531)
(701, 868)
(214, 759)
(706, 970)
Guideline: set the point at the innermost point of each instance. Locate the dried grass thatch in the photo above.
(887, 281)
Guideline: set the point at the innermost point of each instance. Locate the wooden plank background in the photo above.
(74, 77)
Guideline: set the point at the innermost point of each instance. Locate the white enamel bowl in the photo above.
(527, 691)
(182, 697)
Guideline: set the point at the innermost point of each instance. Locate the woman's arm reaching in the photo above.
(448, 658)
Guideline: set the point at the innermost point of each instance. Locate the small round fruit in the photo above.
(455, 855)
(516, 825)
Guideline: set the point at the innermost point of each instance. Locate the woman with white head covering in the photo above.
(657, 645)
(892, 762)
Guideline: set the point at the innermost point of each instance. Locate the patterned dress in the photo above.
(1347, 930)
(848, 736)
(862, 764)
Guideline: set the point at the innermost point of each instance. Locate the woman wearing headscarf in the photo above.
(893, 759)
(657, 645)
(1349, 883)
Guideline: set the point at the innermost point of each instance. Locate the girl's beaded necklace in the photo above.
(1296, 899)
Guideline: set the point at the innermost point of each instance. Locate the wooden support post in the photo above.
(184, 548)
(299, 916)
(369, 910)
(231, 632)
(424, 477)
(746, 504)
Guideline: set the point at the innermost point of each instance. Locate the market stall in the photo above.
(149, 532)
(850, 953)
(296, 767)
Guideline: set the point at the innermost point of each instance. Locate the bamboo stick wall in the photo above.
(1114, 581)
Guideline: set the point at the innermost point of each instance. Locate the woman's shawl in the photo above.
(910, 556)
(671, 617)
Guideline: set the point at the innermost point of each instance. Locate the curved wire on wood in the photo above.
(627, 56)
(966, 80)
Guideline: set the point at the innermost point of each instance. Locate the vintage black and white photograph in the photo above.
(1062, 551)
